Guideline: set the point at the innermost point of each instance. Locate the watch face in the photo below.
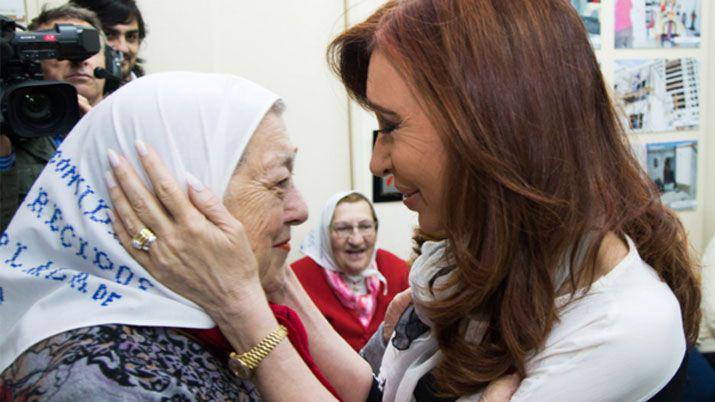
(239, 369)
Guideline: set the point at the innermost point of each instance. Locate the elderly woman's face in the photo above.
(262, 196)
(352, 236)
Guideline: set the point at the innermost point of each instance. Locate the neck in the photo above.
(93, 102)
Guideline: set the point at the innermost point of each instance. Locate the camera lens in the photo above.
(37, 107)
(40, 108)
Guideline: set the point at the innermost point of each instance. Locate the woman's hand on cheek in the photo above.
(201, 252)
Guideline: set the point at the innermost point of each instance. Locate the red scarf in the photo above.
(217, 344)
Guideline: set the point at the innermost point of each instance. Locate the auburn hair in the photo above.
(538, 163)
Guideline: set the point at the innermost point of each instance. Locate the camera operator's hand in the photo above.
(5, 146)
(84, 105)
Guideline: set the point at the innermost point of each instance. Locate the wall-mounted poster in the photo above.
(657, 23)
(659, 94)
(590, 12)
(673, 168)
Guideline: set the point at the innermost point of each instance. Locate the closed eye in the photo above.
(285, 183)
(387, 129)
(387, 126)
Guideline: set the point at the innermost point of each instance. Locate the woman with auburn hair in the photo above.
(555, 260)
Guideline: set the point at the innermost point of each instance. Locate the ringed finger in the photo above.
(137, 196)
(125, 240)
(123, 211)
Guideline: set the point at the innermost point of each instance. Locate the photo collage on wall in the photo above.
(661, 95)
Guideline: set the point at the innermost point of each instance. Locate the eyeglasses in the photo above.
(344, 230)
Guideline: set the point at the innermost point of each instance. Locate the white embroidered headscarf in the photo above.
(60, 266)
(317, 244)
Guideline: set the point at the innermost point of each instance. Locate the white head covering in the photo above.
(60, 265)
(317, 244)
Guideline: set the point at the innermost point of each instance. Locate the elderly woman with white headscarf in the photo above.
(80, 318)
(350, 281)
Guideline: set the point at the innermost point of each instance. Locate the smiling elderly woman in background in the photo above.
(79, 315)
(350, 281)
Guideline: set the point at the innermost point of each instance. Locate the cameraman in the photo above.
(125, 29)
(22, 160)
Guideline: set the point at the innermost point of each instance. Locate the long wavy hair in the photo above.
(538, 164)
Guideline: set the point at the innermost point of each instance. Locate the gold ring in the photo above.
(143, 240)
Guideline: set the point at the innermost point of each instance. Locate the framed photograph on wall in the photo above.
(659, 94)
(657, 23)
(383, 188)
(673, 168)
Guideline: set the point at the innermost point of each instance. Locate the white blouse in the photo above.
(622, 341)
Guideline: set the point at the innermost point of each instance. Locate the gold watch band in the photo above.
(256, 354)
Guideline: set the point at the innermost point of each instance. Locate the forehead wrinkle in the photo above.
(278, 159)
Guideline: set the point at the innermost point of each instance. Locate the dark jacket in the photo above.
(31, 156)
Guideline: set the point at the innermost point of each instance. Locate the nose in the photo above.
(355, 238)
(380, 162)
(296, 212)
(120, 44)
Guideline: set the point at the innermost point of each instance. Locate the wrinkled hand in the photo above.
(201, 252)
(501, 389)
(394, 311)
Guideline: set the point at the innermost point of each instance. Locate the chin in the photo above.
(274, 280)
(430, 224)
(356, 270)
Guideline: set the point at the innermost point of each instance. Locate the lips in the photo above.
(283, 245)
(406, 192)
(78, 76)
(354, 255)
(410, 197)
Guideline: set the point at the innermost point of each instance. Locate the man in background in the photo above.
(22, 159)
(125, 29)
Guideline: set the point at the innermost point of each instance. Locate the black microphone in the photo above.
(100, 73)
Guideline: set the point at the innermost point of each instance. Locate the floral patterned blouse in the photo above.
(122, 363)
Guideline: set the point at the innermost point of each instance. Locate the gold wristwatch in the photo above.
(244, 365)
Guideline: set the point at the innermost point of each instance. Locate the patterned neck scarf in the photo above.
(362, 305)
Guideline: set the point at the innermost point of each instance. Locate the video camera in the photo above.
(29, 106)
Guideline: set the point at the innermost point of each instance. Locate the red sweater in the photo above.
(312, 278)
